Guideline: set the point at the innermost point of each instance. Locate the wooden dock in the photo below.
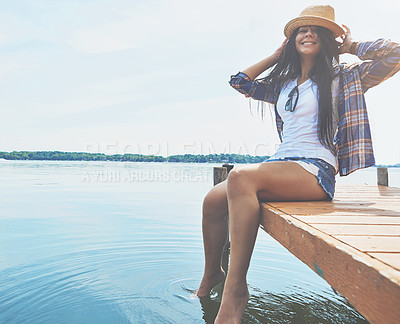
(352, 242)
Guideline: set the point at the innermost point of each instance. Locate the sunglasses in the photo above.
(292, 101)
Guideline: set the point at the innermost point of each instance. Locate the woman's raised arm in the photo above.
(381, 59)
(255, 70)
(245, 84)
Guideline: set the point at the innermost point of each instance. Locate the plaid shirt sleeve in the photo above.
(381, 60)
(258, 90)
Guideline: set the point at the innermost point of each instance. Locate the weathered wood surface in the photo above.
(352, 242)
(382, 176)
(221, 174)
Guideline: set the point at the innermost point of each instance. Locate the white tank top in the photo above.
(300, 132)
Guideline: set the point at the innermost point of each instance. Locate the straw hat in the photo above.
(319, 15)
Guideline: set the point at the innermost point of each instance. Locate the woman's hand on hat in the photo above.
(256, 69)
(344, 46)
(279, 51)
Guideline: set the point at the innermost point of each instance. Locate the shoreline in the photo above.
(128, 157)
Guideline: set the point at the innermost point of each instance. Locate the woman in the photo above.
(322, 121)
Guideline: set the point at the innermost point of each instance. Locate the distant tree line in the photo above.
(82, 156)
(188, 158)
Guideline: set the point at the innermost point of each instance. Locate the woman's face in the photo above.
(307, 41)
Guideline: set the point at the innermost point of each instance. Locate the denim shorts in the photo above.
(324, 172)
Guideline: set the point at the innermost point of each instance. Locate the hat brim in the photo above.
(295, 23)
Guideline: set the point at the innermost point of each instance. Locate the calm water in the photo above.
(92, 242)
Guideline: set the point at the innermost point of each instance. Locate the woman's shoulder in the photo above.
(344, 68)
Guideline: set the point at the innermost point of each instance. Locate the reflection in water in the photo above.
(296, 307)
(210, 309)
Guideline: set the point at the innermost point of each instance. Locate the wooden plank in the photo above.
(381, 220)
(373, 287)
(382, 192)
(392, 259)
(371, 192)
(365, 198)
(353, 242)
(340, 208)
(359, 229)
(337, 205)
(301, 211)
(367, 187)
(372, 243)
(351, 193)
(341, 193)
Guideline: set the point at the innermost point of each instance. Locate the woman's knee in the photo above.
(216, 202)
(239, 181)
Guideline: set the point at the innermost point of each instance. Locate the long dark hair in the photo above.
(322, 73)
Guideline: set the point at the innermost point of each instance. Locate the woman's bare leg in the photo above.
(215, 231)
(272, 181)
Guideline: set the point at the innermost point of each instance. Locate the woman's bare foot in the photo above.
(234, 301)
(209, 282)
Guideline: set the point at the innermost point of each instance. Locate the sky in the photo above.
(151, 77)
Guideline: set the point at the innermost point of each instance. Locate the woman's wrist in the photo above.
(353, 48)
(272, 60)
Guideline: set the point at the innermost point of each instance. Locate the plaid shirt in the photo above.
(380, 60)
